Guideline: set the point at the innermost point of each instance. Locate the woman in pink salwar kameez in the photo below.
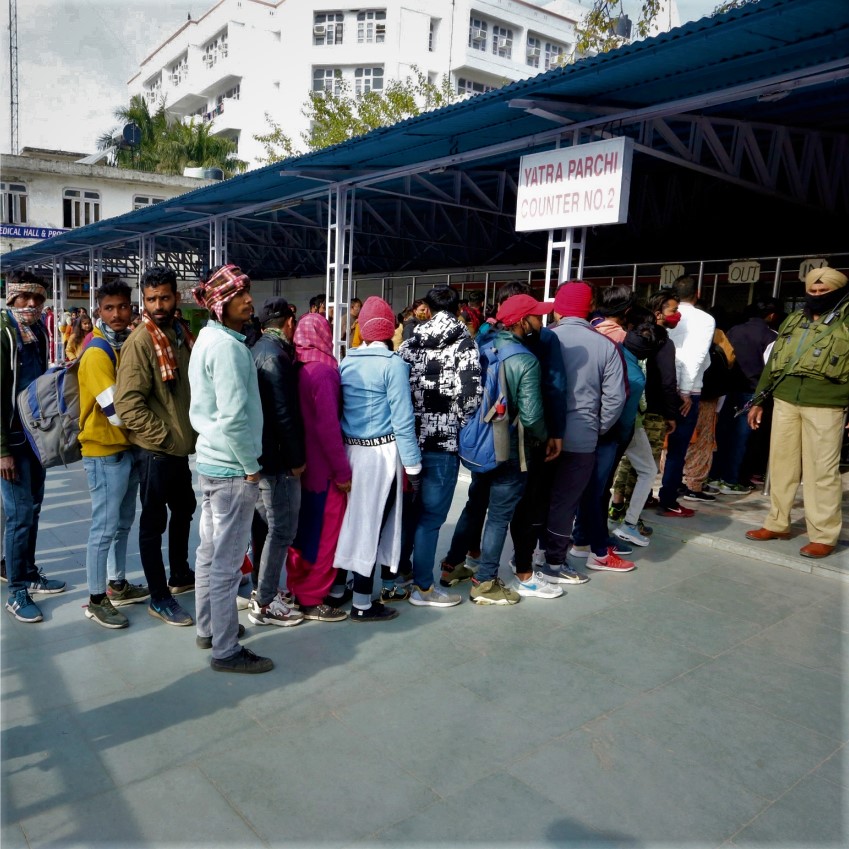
(327, 477)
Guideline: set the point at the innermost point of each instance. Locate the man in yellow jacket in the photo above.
(112, 473)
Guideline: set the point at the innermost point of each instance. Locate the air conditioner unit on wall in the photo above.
(478, 34)
(506, 45)
(533, 52)
(319, 29)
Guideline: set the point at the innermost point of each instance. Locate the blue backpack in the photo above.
(485, 438)
(49, 409)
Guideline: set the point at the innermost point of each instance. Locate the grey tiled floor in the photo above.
(696, 702)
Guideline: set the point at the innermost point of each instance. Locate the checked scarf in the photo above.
(162, 346)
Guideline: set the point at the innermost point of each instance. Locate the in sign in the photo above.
(809, 265)
(670, 273)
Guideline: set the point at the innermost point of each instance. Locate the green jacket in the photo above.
(156, 414)
(820, 378)
(524, 394)
(10, 377)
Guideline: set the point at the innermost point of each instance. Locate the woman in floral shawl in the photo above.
(327, 477)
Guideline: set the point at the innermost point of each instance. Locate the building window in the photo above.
(368, 79)
(14, 203)
(471, 87)
(178, 72)
(141, 201)
(533, 51)
(502, 42)
(477, 34)
(554, 55)
(328, 28)
(80, 207)
(153, 91)
(371, 27)
(231, 94)
(215, 50)
(327, 79)
(431, 36)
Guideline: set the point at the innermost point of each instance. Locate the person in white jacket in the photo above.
(692, 339)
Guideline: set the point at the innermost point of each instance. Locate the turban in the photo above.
(826, 276)
(224, 284)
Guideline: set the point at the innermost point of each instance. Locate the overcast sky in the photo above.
(75, 57)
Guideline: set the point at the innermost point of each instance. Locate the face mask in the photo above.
(26, 315)
(822, 304)
(672, 320)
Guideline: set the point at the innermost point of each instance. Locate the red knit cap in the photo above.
(574, 299)
(376, 319)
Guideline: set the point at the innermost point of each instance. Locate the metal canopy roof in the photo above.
(741, 129)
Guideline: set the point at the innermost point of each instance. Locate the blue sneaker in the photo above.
(45, 586)
(23, 608)
(630, 533)
(170, 612)
(619, 547)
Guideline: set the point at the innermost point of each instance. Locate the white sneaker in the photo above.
(537, 586)
(580, 551)
(538, 558)
(630, 534)
(242, 603)
(434, 597)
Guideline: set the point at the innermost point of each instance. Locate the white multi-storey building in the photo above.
(244, 59)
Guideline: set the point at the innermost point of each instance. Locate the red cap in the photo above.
(574, 299)
(516, 307)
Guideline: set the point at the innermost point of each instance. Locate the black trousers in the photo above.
(165, 484)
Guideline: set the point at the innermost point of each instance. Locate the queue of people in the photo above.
(340, 476)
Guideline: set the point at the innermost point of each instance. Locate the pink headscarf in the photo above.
(314, 340)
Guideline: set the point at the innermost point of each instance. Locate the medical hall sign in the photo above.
(576, 186)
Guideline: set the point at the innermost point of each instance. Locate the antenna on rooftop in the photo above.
(13, 75)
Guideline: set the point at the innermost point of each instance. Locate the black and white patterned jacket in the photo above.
(444, 380)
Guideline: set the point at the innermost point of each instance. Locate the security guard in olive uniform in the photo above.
(808, 376)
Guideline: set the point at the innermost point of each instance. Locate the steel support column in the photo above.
(56, 351)
(340, 246)
(95, 276)
(218, 242)
(147, 258)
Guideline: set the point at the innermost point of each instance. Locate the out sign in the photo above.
(747, 271)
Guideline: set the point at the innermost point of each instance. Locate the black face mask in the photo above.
(822, 304)
(638, 345)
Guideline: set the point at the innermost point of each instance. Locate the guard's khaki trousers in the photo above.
(805, 445)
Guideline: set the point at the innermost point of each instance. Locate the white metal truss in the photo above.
(340, 246)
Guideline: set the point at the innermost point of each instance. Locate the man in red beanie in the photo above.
(595, 396)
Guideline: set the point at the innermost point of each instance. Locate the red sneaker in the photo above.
(674, 510)
(609, 563)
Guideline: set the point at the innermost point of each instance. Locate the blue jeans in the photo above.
(439, 477)
(22, 506)
(732, 438)
(227, 507)
(113, 482)
(677, 444)
(496, 493)
(278, 505)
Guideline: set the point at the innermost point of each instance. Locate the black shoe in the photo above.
(333, 601)
(3, 571)
(376, 613)
(691, 495)
(206, 642)
(243, 661)
(181, 583)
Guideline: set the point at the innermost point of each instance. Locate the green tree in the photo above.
(338, 115)
(168, 145)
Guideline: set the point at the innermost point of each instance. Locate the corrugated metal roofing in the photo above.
(717, 67)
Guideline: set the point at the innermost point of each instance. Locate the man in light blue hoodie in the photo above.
(226, 412)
